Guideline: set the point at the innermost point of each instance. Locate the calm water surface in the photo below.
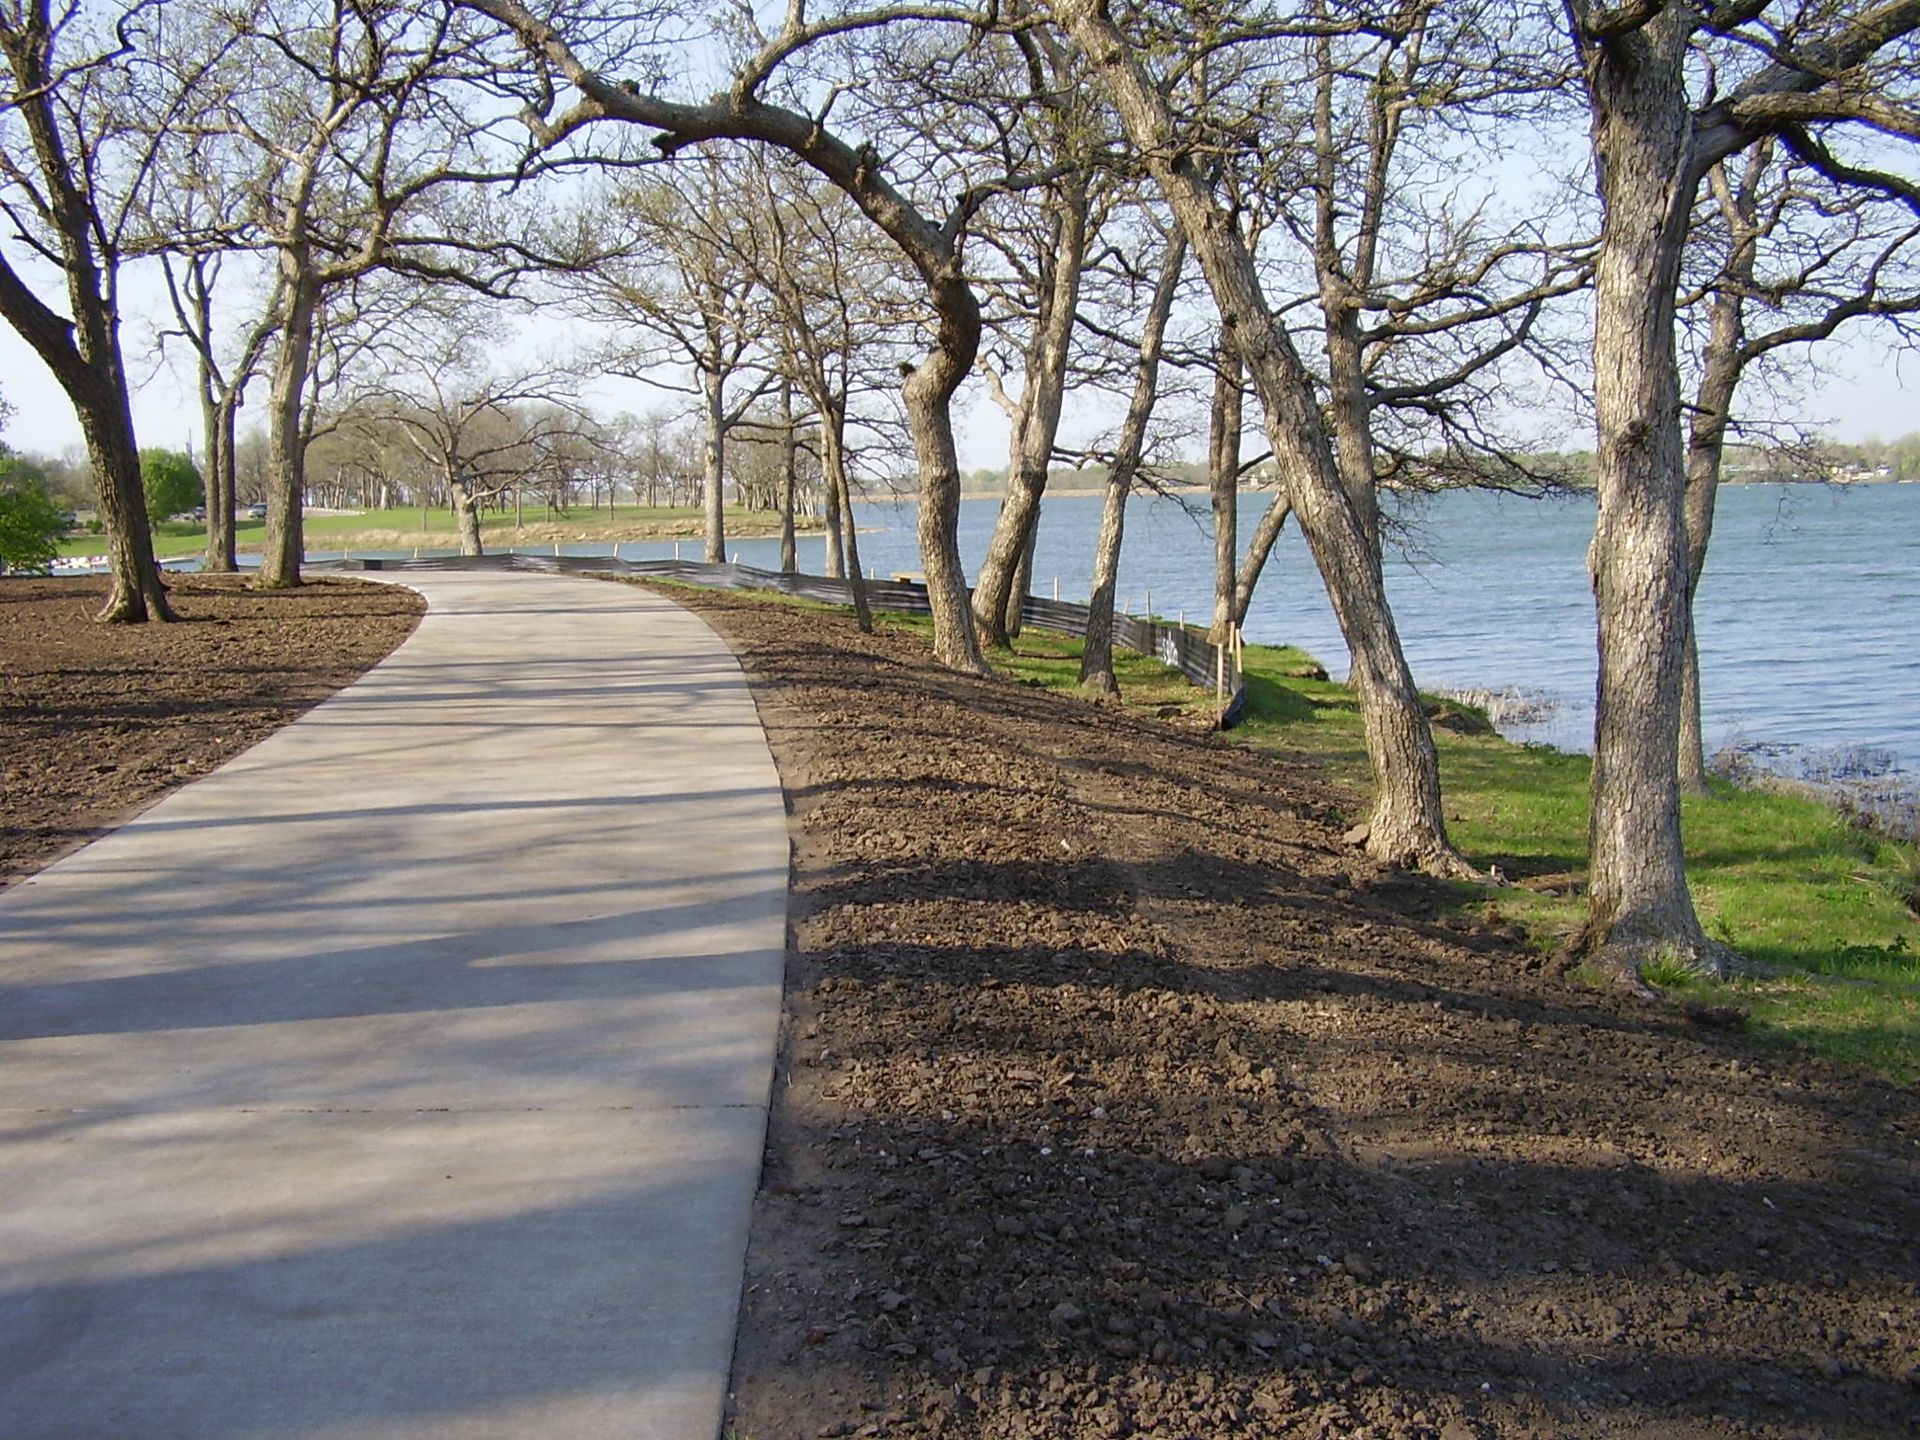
(1809, 612)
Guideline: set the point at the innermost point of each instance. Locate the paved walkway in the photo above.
(408, 1076)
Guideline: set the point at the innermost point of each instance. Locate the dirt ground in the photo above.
(1118, 1098)
(99, 721)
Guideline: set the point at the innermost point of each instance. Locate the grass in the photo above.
(434, 529)
(1780, 877)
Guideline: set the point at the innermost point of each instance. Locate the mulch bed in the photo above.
(1117, 1097)
(99, 721)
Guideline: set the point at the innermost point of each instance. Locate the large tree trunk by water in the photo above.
(1096, 654)
(1258, 549)
(1638, 904)
(1407, 825)
(286, 436)
(713, 470)
(1223, 486)
(1007, 566)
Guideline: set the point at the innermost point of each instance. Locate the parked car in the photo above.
(256, 511)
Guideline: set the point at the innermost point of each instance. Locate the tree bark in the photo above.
(929, 396)
(836, 564)
(135, 592)
(221, 556)
(1706, 448)
(833, 467)
(1096, 653)
(1258, 549)
(466, 517)
(713, 390)
(285, 545)
(1407, 825)
(789, 477)
(1223, 486)
(997, 596)
(1707, 440)
(1638, 904)
(1022, 586)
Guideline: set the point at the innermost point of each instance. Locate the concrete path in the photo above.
(408, 1076)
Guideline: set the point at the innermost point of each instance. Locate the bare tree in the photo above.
(838, 311)
(1406, 824)
(223, 372)
(1808, 75)
(1123, 467)
(931, 245)
(1794, 258)
(674, 281)
(479, 430)
(1044, 238)
(372, 126)
(87, 109)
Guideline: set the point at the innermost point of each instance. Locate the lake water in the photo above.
(1809, 612)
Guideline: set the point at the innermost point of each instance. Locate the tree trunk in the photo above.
(285, 545)
(1096, 654)
(836, 564)
(226, 463)
(1022, 586)
(1706, 448)
(1223, 486)
(135, 592)
(929, 398)
(1096, 650)
(84, 354)
(1407, 825)
(833, 469)
(1036, 422)
(1637, 901)
(713, 389)
(789, 479)
(466, 517)
(1258, 549)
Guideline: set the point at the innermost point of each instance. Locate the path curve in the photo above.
(408, 1075)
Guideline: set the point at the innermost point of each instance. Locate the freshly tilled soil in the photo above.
(99, 721)
(1118, 1098)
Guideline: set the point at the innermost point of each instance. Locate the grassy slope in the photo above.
(1782, 878)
